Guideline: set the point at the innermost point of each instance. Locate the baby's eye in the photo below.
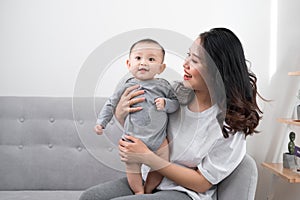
(151, 59)
(137, 58)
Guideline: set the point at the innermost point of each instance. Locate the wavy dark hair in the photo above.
(226, 51)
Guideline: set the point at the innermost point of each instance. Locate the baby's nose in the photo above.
(143, 62)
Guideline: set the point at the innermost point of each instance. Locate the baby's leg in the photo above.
(154, 178)
(134, 177)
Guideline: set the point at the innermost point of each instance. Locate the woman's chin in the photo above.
(186, 84)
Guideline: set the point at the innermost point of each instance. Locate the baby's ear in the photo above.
(128, 63)
(162, 68)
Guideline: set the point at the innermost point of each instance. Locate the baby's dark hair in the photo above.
(148, 40)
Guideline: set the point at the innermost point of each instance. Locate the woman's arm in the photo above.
(186, 177)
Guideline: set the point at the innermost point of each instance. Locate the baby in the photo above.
(149, 124)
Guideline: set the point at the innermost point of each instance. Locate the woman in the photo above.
(207, 137)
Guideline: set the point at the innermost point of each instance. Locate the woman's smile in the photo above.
(186, 76)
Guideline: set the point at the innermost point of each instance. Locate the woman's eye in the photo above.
(194, 61)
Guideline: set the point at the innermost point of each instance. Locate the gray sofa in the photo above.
(49, 151)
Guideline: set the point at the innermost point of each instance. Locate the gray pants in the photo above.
(120, 190)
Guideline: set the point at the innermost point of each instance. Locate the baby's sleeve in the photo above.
(107, 112)
(108, 109)
(171, 101)
(171, 105)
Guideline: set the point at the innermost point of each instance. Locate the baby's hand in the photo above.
(98, 129)
(160, 103)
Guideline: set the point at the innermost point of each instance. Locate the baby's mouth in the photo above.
(143, 69)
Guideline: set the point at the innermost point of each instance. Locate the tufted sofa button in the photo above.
(110, 149)
(81, 121)
(50, 146)
(21, 119)
(79, 148)
(51, 119)
(20, 146)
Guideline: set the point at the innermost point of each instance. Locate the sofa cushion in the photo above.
(44, 144)
(40, 195)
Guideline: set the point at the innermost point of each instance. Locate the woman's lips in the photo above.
(186, 76)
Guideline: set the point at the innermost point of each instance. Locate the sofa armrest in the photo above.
(241, 183)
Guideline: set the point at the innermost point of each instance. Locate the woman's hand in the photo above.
(126, 101)
(133, 152)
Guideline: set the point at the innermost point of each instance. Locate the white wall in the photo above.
(282, 89)
(44, 44)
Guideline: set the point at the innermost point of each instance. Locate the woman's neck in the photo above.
(201, 102)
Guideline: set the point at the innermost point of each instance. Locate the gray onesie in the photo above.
(148, 124)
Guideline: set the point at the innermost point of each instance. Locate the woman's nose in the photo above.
(186, 64)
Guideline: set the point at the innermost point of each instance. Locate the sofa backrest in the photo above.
(48, 143)
(43, 144)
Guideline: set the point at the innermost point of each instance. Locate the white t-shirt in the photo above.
(196, 141)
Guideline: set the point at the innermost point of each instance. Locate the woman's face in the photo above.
(194, 68)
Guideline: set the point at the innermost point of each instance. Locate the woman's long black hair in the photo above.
(226, 51)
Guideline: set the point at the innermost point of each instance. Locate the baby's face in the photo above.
(145, 61)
